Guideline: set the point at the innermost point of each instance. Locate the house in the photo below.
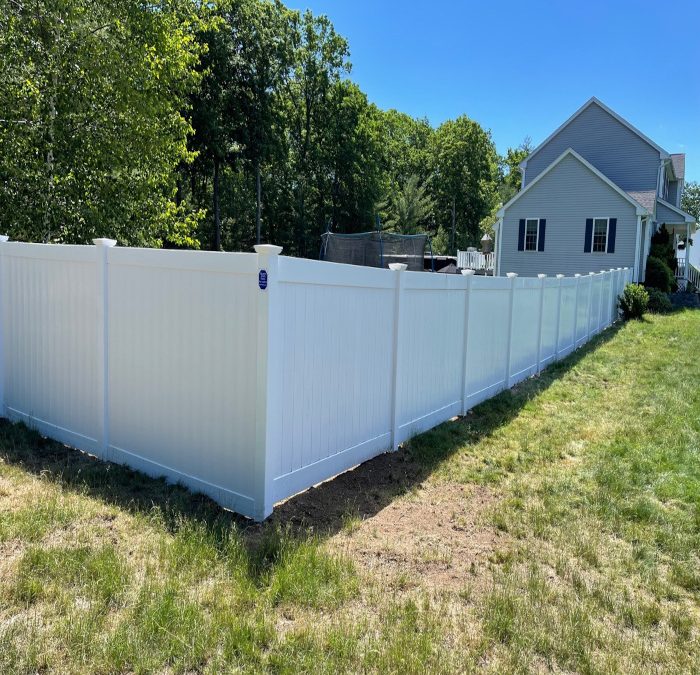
(593, 193)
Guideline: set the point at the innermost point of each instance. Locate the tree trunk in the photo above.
(217, 214)
(258, 201)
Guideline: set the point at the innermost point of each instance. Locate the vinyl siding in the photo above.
(566, 196)
(672, 197)
(666, 215)
(610, 146)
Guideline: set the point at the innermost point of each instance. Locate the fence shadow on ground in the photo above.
(362, 492)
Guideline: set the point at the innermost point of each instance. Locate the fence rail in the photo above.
(250, 377)
(475, 260)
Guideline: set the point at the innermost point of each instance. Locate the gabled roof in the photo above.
(612, 113)
(686, 216)
(678, 161)
(644, 197)
(640, 210)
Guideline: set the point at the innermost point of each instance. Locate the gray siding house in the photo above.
(593, 193)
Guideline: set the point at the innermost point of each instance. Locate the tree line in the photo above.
(180, 123)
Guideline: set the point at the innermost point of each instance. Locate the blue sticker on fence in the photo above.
(262, 279)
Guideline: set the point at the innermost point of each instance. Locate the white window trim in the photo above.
(607, 234)
(537, 238)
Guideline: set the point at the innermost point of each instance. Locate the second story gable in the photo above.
(609, 143)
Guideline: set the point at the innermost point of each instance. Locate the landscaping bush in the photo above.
(662, 248)
(659, 275)
(659, 302)
(633, 301)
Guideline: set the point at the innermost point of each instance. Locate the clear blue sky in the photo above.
(522, 68)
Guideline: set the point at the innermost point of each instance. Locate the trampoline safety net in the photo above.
(375, 249)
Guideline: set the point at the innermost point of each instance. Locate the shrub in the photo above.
(659, 302)
(659, 275)
(662, 247)
(633, 301)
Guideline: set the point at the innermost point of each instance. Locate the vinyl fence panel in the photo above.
(251, 377)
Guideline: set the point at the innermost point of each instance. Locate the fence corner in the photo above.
(267, 391)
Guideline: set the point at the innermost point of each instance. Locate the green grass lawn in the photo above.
(556, 527)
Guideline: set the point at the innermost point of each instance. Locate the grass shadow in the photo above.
(322, 510)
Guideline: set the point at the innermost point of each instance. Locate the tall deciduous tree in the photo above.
(92, 126)
(464, 167)
(690, 200)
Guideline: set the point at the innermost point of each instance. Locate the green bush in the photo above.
(659, 302)
(659, 275)
(662, 247)
(633, 301)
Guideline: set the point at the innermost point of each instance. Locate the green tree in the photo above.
(92, 127)
(408, 208)
(464, 168)
(405, 143)
(690, 200)
(510, 173)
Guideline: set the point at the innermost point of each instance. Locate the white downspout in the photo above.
(637, 248)
(499, 234)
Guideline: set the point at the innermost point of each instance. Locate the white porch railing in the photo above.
(475, 260)
(693, 276)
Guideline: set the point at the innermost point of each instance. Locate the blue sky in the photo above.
(522, 68)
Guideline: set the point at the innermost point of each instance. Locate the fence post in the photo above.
(541, 277)
(556, 331)
(589, 332)
(513, 279)
(600, 301)
(618, 291)
(3, 240)
(267, 404)
(467, 303)
(578, 283)
(102, 247)
(611, 315)
(398, 268)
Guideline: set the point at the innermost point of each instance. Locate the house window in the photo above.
(531, 233)
(600, 235)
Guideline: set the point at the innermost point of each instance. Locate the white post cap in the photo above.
(108, 243)
(468, 273)
(541, 276)
(560, 276)
(398, 267)
(269, 249)
(577, 275)
(511, 275)
(4, 238)
(591, 273)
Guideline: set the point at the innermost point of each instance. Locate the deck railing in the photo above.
(475, 260)
(693, 276)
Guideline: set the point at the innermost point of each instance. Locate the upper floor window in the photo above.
(600, 235)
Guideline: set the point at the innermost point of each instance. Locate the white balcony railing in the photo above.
(475, 260)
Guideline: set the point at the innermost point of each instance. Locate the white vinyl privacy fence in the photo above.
(252, 376)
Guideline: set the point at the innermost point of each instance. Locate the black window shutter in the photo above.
(521, 235)
(589, 235)
(540, 239)
(612, 229)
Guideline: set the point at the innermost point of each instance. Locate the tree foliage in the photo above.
(183, 123)
(690, 200)
(92, 101)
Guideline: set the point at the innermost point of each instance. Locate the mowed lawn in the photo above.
(556, 527)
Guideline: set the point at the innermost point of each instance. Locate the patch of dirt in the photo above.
(434, 538)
